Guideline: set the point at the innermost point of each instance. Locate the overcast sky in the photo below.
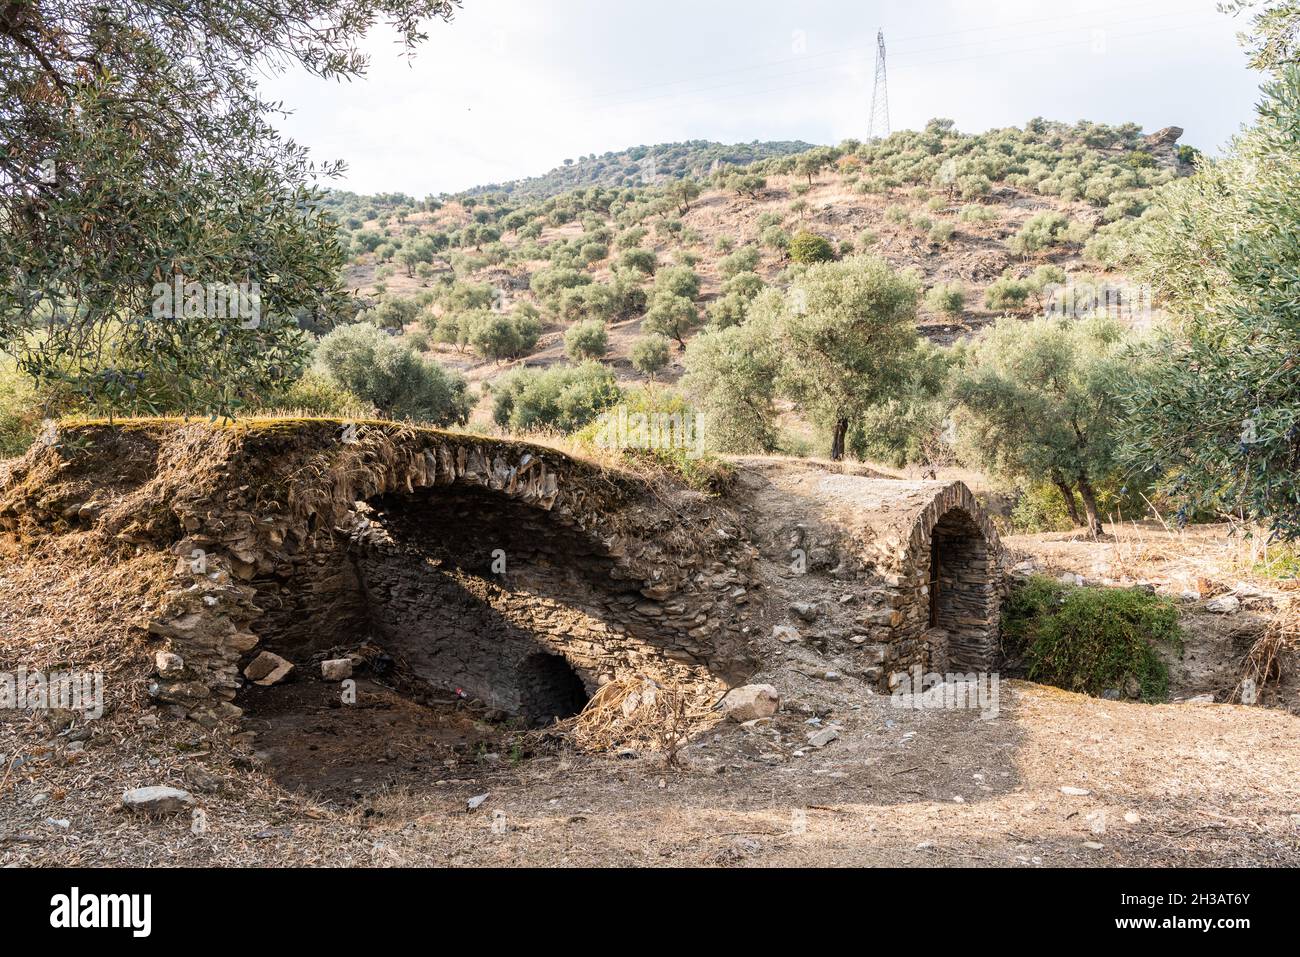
(511, 88)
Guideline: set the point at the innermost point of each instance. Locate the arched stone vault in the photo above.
(938, 618)
(298, 536)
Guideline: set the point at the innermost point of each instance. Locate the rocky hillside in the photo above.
(640, 165)
(984, 221)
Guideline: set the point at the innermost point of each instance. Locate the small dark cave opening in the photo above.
(550, 689)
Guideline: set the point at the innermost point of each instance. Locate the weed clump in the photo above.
(1091, 640)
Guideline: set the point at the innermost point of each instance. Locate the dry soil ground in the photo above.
(389, 781)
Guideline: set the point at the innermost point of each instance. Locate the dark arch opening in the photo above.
(549, 689)
(962, 599)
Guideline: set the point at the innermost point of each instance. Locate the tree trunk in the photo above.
(837, 444)
(1090, 504)
(1067, 493)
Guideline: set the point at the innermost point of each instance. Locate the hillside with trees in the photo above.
(639, 165)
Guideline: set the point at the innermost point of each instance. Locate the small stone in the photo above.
(336, 669)
(157, 800)
(749, 702)
(1076, 792)
(805, 611)
(823, 737)
(168, 663)
(1092, 845)
(475, 802)
(268, 669)
(1131, 817)
(786, 634)
(1226, 605)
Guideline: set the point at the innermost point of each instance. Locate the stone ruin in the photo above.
(501, 571)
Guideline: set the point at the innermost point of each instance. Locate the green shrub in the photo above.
(650, 354)
(743, 260)
(586, 340)
(1006, 293)
(563, 397)
(317, 394)
(941, 233)
(774, 237)
(1040, 508)
(807, 247)
(370, 364)
(640, 260)
(20, 415)
(947, 298)
(1040, 232)
(1092, 640)
(498, 335)
(677, 281)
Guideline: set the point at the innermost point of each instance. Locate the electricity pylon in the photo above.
(878, 126)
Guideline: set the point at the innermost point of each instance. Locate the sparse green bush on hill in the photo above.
(677, 281)
(586, 340)
(564, 398)
(640, 260)
(745, 259)
(672, 316)
(1040, 232)
(947, 298)
(650, 354)
(807, 247)
(395, 380)
(498, 335)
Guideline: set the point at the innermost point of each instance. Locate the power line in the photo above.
(693, 98)
(859, 51)
(878, 123)
(856, 55)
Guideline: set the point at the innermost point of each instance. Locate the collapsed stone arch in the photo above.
(394, 537)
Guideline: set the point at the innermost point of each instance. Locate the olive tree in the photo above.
(844, 330)
(140, 155)
(1039, 402)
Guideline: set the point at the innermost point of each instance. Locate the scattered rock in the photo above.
(336, 669)
(204, 780)
(1225, 605)
(1076, 792)
(1131, 817)
(168, 663)
(823, 737)
(787, 634)
(268, 669)
(157, 800)
(749, 702)
(805, 611)
(475, 802)
(1093, 845)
